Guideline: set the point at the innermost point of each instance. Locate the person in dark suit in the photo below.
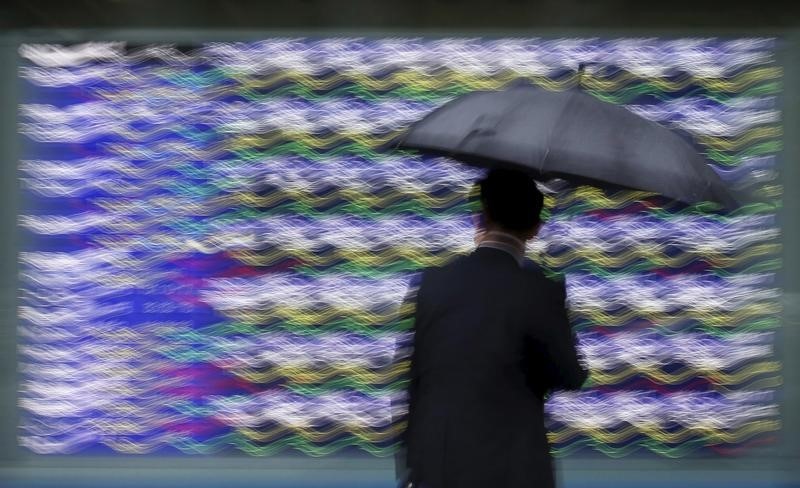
(491, 339)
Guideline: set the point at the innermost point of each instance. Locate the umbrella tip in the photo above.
(582, 67)
(579, 74)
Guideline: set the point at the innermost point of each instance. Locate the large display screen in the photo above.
(217, 239)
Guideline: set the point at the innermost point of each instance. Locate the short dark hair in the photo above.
(511, 199)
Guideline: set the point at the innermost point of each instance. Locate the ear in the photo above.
(482, 220)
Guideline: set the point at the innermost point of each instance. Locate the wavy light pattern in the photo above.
(218, 242)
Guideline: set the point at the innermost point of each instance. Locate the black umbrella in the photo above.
(571, 135)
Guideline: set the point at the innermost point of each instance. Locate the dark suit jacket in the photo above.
(491, 338)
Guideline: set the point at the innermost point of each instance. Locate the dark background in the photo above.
(746, 16)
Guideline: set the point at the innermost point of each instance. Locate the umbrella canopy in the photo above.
(568, 134)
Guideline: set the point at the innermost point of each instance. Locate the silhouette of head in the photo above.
(511, 202)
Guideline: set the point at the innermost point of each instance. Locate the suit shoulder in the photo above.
(453, 264)
(535, 274)
(435, 274)
(431, 271)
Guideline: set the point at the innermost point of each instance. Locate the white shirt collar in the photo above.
(505, 242)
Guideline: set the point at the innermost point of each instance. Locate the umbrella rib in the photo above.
(567, 103)
(543, 159)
